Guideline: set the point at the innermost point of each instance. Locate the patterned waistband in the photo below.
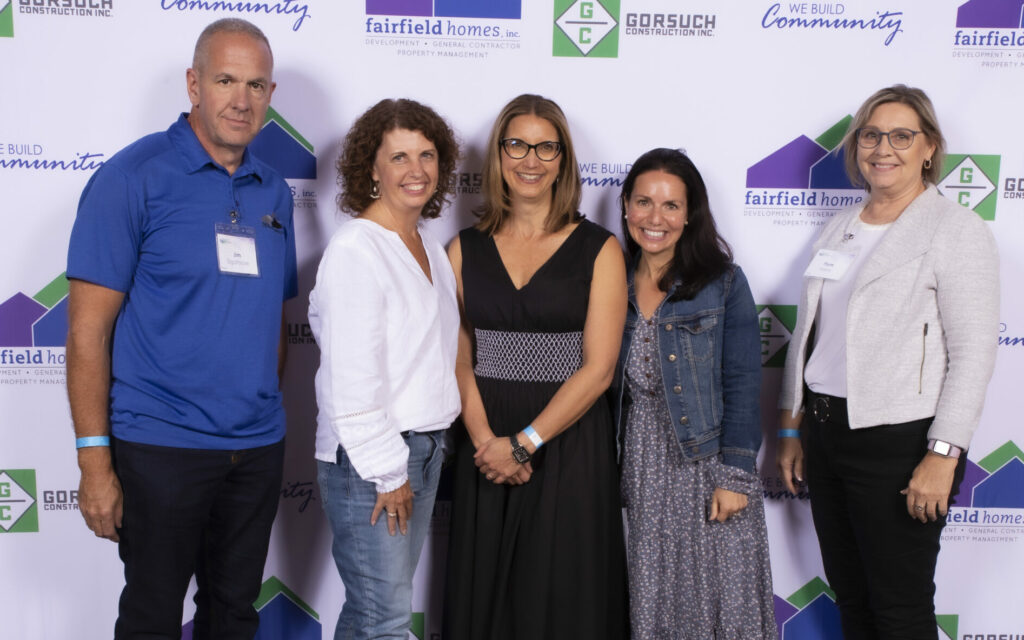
(528, 357)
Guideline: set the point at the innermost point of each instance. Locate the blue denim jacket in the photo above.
(710, 350)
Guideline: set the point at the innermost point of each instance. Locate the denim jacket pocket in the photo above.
(698, 336)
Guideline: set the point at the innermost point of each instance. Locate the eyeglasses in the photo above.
(899, 138)
(518, 149)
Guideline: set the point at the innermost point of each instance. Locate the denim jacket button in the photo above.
(677, 389)
(683, 420)
(671, 357)
(668, 327)
(694, 449)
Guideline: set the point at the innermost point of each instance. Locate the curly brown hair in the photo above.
(355, 166)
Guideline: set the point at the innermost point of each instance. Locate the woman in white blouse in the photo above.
(385, 316)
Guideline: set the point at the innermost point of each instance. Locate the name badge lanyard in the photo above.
(832, 264)
(236, 247)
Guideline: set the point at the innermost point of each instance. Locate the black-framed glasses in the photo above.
(518, 149)
(899, 138)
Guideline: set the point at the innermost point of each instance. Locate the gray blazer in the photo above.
(922, 321)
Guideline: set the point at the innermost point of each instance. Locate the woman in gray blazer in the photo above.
(902, 298)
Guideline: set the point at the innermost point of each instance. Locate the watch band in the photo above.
(944, 449)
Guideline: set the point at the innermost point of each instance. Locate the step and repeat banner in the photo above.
(758, 93)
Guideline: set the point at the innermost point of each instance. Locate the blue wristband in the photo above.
(534, 437)
(92, 441)
(789, 433)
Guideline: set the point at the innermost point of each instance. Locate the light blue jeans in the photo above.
(377, 568)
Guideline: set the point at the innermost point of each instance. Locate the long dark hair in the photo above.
(700, 254)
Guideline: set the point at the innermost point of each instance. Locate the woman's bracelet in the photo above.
(534, 437)
(789, 433)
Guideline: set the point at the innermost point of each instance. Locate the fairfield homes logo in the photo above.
(990, 505)
(18, 510)
(803, 182)
(33, 331)
(280, 145)
(810, 613)
(283, 614)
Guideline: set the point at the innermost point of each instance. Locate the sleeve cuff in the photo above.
(736, 479)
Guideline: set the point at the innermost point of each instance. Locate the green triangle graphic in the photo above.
(418, 626)
(271, 587)
(831, 138)
(7, 21)
(948, 623)
(52, 293)
(993, 461)
(805, 594)
(276, 117)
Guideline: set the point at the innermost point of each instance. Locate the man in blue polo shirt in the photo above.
(181, 257)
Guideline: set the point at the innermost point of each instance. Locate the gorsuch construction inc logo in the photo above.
(990, 505)
(776, 322)
(282, 615)
(6, 19)
(586, 28)
(33, 330)
(18, 510)
(802, 183)
(970, 181)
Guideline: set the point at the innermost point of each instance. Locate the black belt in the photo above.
(822, 408)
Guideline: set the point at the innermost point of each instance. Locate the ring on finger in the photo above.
(392, 514)
(918, 507)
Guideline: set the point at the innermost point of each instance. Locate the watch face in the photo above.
(941, 448)
(519, 452)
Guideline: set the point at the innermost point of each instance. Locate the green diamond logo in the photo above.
(586, 28)
(971, 180)
(18, 510)
(776, 322)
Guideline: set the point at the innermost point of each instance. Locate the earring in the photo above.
(927, 163)
(375, 191)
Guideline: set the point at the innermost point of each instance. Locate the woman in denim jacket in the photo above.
(688, 387)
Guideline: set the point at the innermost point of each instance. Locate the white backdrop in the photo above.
(753, 91)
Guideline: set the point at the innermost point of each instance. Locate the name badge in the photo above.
(830, 264)
(236, 250)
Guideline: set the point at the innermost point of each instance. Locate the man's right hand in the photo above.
(99, 493)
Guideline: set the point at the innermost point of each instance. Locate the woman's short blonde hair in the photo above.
(917, 100)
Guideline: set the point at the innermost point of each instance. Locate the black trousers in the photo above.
(879, 561)
(194, 511)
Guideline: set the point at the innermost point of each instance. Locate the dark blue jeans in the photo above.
(879, 561)
(207, 512)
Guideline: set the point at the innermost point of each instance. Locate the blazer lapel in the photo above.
(909, 237)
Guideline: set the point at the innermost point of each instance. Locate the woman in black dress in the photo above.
(536, 541)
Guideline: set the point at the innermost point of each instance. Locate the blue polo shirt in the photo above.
(194, 349)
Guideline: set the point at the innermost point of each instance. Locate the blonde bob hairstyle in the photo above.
(566, 191)
(916, 100)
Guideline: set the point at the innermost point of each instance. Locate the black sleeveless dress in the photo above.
(544, 560)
